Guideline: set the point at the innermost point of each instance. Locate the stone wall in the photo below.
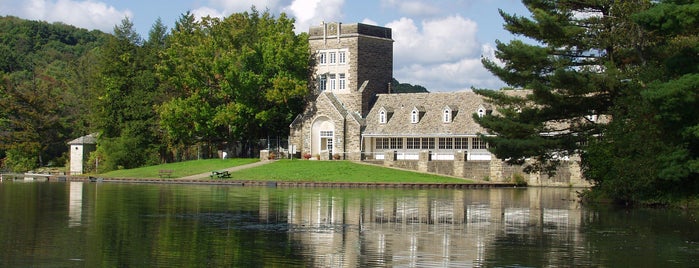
(567, 175)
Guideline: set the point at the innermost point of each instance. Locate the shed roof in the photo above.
(87, 139)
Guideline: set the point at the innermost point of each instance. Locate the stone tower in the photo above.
(359, 54)
(353, 63)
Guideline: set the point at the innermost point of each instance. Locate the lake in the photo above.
(77, 224)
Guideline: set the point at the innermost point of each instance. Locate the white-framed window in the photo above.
(382, 116)
(446, 143)
(396, 143)
(342, 81)
(427, 143)
(382, 143)
(326, 133)
(412, 143)
(322, 58)
(460, 143)
(446, 118)
(478, 144)
(322, 82)
(342, 57)
(333, 82)
(332, 58)
(414, 116)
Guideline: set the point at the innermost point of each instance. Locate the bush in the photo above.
(306, 156)
(337, 156)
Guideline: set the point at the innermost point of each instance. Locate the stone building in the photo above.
(355, 116)
(354, 63)
(80, 150)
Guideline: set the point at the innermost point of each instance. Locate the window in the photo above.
(322, 58)
(381, 143)
(481, 112)
(322, 82)
(333, 82)
(382, 117)
(427, 143)
(446, 143)
(332, 58)
(412, 143)
(326, 134)
(342, 81)
(478, 144)
(342, 57)
(414, 116)
(447, 116)
(396, 143)
(460, 143)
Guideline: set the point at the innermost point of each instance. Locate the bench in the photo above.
(220, 174)
(165, 173)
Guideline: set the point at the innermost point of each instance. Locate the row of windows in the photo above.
(332, 82)
(444, 143)
(415, 114)
(332, 57)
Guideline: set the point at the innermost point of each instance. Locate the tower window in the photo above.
(322, 58)
(342, 57)
(342, 81)
(322, 82)
(333, 82)
(332, 57)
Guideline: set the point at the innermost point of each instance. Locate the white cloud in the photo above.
(412, 7)
(84, 14)
(442, 54)
(313, 12)
(207, 11)
(437, 40)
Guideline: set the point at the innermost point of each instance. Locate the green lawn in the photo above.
(336, 171)
(180, 169)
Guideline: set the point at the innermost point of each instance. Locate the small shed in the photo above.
(80, 150)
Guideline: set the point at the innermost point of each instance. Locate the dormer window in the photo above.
(483, 110)
(448, 114)
(415, 114)
(385, 115)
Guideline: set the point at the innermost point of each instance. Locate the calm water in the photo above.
(74, 224)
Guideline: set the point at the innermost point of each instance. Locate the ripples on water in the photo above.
(96, 225)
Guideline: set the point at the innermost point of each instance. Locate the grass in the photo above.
(336, 171)
(180, 169)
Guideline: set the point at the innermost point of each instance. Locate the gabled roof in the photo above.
(87, 139)
(431, 123)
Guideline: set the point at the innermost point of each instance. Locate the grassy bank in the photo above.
(336, 171)
(180, 169)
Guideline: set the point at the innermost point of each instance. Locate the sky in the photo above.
(438, 43)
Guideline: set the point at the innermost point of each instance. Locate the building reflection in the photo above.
(75, 204)
(430, 228)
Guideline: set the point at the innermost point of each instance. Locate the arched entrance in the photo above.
(322, 133)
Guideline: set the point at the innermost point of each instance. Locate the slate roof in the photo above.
(87, 139)
(463, 104)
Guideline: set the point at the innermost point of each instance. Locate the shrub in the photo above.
(306, 156)
(337, 156)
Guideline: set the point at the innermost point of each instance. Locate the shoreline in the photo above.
(286, 184)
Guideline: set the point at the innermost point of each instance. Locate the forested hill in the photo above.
(181, 93)
(43, 89)
(26, 44)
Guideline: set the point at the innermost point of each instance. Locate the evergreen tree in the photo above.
(600, 75)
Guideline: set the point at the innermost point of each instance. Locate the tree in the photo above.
(651, 153)
(595, 86)
(128, 92)
(246, 75)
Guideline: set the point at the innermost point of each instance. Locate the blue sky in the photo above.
(438, 43)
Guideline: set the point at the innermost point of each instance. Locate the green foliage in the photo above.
(235, 79)
(398, 87)
(632, 65)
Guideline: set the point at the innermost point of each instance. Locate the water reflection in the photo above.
(102, 224)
